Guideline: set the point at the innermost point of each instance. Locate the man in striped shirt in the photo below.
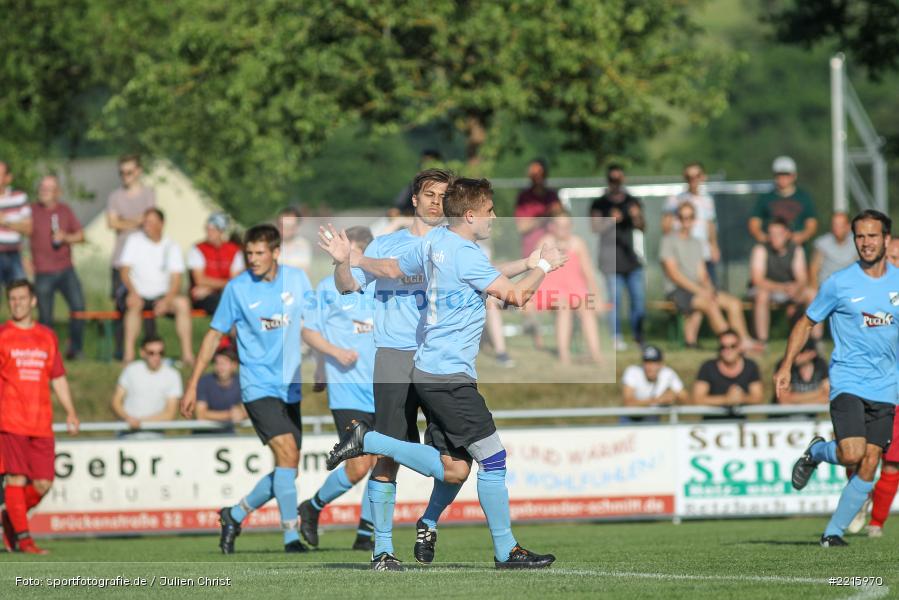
(15, 222)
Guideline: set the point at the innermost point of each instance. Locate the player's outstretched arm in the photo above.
(382, 268)
(798, 337)
(518, 293)
(204, 357)
(60, 387)
(345, 356)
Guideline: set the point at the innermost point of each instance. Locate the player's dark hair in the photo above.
(20, 283)
(228, 353)
(263, 233)
(543, 165)
(151, 338)
(727, 332)
(433, 176)
(465, 194)
(360, 235)
(614, 167)
(293, 211)
(886, 223)
(126, 158)
(778, 221)
(155, 211)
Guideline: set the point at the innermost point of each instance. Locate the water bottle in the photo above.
(54, 228)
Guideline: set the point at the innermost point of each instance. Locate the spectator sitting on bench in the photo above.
(731, 379)
(687, 284)
(778, 275)
(148, 389)
(809, 383)
(218, 393)
(212, 263)
(652, 383)
(151, 269)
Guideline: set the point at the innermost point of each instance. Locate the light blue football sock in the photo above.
(825, 452)
(854, 495)
(418, 457)
(383, 499)
(286, 495)
(442, 496)
(365, 515)
(494, 498)
(334, 486)
(262, 493)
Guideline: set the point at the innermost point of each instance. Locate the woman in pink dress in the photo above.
(571, 289)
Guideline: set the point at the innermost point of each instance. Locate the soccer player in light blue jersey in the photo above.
(266, 304)
(399, 305)
(862, 304)
(459, 277)
(341, 330)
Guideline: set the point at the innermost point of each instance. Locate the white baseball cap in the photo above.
(784, 164)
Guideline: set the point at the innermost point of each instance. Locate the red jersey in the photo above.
(29, 359)
(217, 261)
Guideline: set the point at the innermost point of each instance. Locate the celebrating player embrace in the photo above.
(458, 277)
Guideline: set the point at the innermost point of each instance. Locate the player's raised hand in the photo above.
(346, 357)
(188, 402)
(555, 257)
(782, 382)
(73, 424)
(534, 258)
(334, 243)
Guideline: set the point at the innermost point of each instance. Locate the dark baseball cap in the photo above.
(652, 353)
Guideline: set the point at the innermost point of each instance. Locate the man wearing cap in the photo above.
(786, 201)
(653, 383)
(212, 263)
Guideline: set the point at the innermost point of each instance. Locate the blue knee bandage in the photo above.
(496, 462)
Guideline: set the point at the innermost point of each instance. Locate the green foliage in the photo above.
(243, 95)
(868, 30)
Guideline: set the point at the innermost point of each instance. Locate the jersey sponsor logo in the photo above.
(894, 298)
(438, 257)
(412, 280)
(879, 319)
(274, 322)
(362, 327)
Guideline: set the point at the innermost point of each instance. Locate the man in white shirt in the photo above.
(148, 389)
(652, 383)
(151, 269)
(705, 227)
(15, 225)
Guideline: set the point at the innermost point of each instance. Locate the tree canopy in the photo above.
(242, 95)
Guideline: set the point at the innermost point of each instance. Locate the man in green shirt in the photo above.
(786, 201)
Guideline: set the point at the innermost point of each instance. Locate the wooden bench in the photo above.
(676, 323)
(104, 320)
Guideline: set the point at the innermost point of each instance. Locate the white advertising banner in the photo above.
(744, 469)
(179, 484)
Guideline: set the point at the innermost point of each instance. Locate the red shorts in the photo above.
(29, 456)
(892, 452)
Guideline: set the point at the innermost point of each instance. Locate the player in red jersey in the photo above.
(30, 365)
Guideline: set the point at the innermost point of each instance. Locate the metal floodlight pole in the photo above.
(838, 134)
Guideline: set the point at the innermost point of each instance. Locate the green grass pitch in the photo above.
(776, 558)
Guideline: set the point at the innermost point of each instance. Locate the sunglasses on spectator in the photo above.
(728, 346)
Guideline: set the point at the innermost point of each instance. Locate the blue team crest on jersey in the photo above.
(894, 298)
